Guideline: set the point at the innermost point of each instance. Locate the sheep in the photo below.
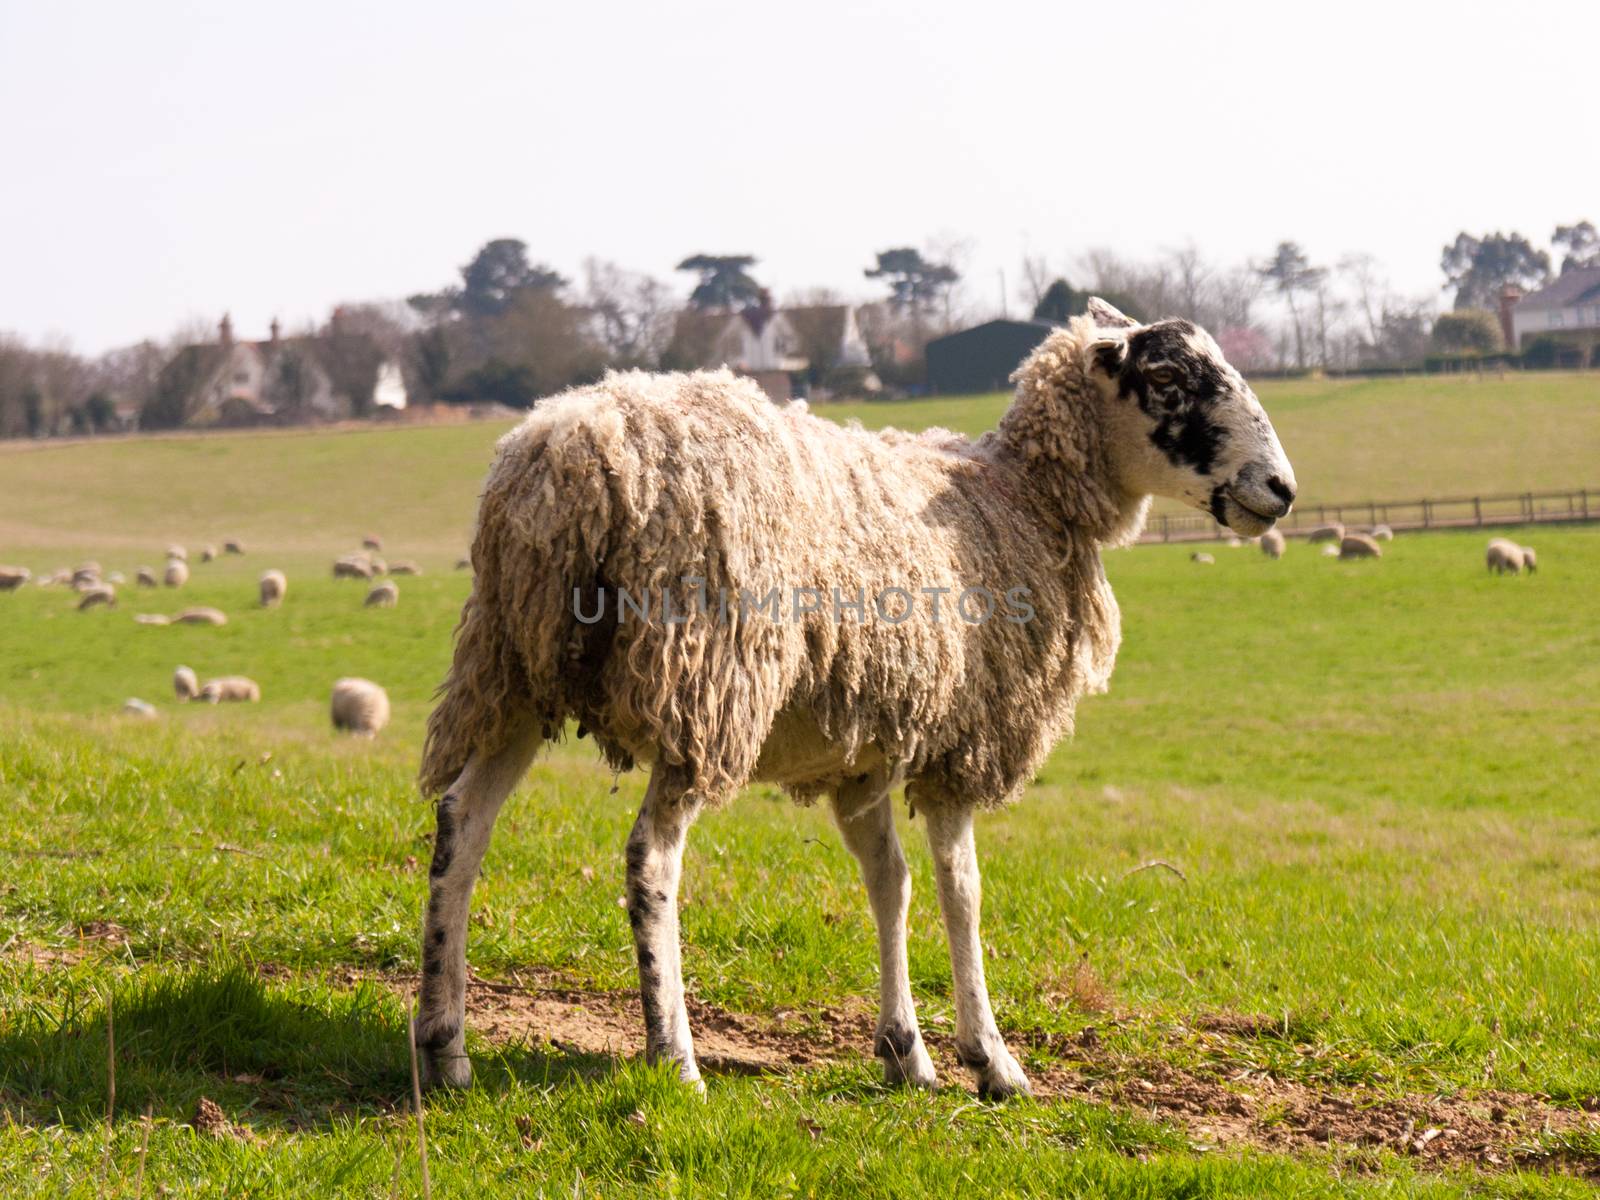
(176, 574)
(1272, 543)
(372, 542)
(886, 656)
(1530, 560)
(116, 577)
(178, 552)
(1330, 551)
(146, 577)
(185, 684)
(1200, 556)
(1382, 533)
(208, 553)
(56, 578)
(134, 707)
(1504, 556)
(230, 688)
(151, 619)
(404, 567)
(86, 577)
(352, 566)
(384, 595)
(233, 546)
(1327, 533)
(11, 578)
(379, 567)
(273, 586)
(100, 593)
(200, 615)
(1359, 545)
(359, 706)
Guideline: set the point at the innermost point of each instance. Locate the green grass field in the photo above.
(1374, 782)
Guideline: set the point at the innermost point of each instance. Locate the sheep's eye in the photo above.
(1162, 376)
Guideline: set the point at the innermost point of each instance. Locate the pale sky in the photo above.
(161, 162)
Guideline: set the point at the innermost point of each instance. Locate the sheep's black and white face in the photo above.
(1186, 425)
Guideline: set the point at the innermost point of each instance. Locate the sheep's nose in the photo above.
(1283, 491)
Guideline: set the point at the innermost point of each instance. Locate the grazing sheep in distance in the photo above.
(178, 552)
(208, 553)
(1530, 560)
(100, 593)
(57, 577)
(1382, 533)
(372, 542)
(1327, 533)
(177, 573)
(200, 615)
(379, 567)
(1504, 556)
(116, 577)
(185, 684)
(134, 707)
(151, 619)
(1330, 551)
(385, 595)
(359, 706)
(11, 578)
(146, 577)
(233, 546)
(644, 483)
(352, 566)
(404, 567)
(273, 587)
(86, 576)
(1359, 545)
(1272, 543)
(1200, 556)
(231, 688)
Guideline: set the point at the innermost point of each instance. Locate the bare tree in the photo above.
(633, 313)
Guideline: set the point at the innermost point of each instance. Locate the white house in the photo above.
(1567, 311)
(797, 350)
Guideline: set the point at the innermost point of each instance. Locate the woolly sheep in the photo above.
(178, 552)
(1530, 560)
(11, 578)
(359, 706)
(57, 577)
(208, 553)
(1327, 533)
(233, 546)
(86, 577)
(1200, 556)
(1359, 545)
(185, 684)
(1382, 533)
(273, 587)
(372, 542)
(230, 688)
(200, 615)
(152, 619)
(116, 577)
(666, 485)
(100, 593)
(176, 574)
(1330, 551)
(384, 595)
(352, 566)
(146, 577)
(404, 567)
(134, 707)
(1504, 556)
(379, 567)
(1272, 543)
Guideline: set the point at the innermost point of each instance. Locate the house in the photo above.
(327, 377)
(802, 350)
(982, 358)
(1565, 311)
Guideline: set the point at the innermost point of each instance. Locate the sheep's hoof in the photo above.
(444, 1070)
(912, 1069)
(1002, 1078)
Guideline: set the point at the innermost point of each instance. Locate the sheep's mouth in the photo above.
(1238, 516)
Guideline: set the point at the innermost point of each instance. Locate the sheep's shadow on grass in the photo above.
(285, 1055)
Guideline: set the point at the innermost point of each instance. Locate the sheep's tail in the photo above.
(541, 534)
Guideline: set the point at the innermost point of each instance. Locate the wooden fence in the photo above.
(1458, 512)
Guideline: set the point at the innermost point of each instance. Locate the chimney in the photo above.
(274, 330)
(1509, 295)
(225, 330)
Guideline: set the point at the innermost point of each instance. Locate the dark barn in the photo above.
(982, 358)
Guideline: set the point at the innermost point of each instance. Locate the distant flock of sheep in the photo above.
(1503, 556)
(357, 705)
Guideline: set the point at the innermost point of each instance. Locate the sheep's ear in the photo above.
(1109, 354)
(1108, 316)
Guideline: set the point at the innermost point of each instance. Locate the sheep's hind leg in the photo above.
(655, 864)
(464, 818)
(866, 821)
(978, 1042)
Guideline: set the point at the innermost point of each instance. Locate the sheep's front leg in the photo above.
(465, 818)
(655, 864)
(978, 1042)
(866, 820)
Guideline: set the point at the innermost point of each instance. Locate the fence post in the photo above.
(1427, 514)
(1585, 496)
(1527, 506)
(1166, 528)
(1477, 511)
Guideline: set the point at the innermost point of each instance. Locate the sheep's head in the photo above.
(1185, 424)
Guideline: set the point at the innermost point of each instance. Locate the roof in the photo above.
(1580, 285)
(1042, 327)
